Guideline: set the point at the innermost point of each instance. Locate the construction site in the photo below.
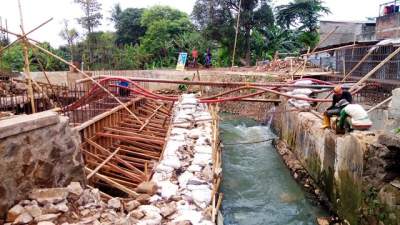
(232, 145)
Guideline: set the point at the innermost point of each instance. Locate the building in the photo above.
(347, 31)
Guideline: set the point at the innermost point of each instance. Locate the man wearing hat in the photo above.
(338, 94)
(359, 117)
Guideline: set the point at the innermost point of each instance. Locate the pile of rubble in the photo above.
(280, 65)
(184, 175)
(9, 88)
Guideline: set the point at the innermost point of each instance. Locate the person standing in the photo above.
(208, 58)
(195, 55)
(338, 94)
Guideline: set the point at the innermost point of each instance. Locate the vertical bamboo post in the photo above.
(26, 60)
(236, 35)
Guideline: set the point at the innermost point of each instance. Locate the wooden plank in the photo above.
(94, 144)
(113, 183)
(102, 164)
(133, 134)
(125, 137)
(147, 121)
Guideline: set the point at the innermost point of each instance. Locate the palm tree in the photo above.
(303, 13)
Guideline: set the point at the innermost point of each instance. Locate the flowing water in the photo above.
(258, 188)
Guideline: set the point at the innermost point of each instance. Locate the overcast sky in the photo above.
(37, 11)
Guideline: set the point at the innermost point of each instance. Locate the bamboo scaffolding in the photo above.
(102, 164)
(113, 183)
(373, 71)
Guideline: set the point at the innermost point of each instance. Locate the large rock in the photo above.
(49, 195)
(24, 218)
(14, 212)
(114, 203)
(147, 187)
(75, 188)
(131, 205)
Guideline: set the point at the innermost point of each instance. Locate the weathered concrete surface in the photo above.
(36, 151)
(343, 166)
(206, 75)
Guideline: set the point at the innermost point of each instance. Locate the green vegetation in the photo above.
(153, 37)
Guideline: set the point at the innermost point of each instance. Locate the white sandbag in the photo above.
(205, 149)
(184, 178)
(194, 168)
(176, 130)
(202, 197)
(193, 216)
(198, 187)
(201, 159)
(302, 91)
(163, 168)
(172, 161)
(161, 176)
(167, 189)
(303, 82)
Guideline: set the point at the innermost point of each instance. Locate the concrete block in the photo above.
(25, 123)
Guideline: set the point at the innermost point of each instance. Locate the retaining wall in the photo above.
(344, 166)
(36, 151)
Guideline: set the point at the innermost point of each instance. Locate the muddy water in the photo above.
(258, 188)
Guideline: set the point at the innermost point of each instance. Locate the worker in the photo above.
(338, 94)
(208, 58)
(195, 55)
(359, 117)
(122, 91)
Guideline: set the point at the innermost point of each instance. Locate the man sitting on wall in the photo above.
(359, 117)
(338, 94)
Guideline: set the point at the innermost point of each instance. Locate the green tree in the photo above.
(217, 19)
(128, 25)
(90, 20)
(164, 25)
(302, 13)
(70, 35)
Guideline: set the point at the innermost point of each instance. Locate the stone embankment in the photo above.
(357, 171)
(36, 151)
(179, 193)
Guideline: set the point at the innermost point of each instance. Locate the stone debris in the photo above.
(178, 194)
(183, 175)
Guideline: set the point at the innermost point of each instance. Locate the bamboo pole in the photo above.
(236, 35)
(150, 117)
(356, 66)
(26, 60)
(21, 37)
(99, 147)
(372, 72)
(90, 78)
(102, 164)
(380, 104)
(113, 183)
(332, 49)
(324, 39)
(315, 48)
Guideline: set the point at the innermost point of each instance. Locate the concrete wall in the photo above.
(388, 26)
(337, 163)
(36, 151)
(206, 75)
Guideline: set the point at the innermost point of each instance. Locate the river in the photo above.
(258, 188)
